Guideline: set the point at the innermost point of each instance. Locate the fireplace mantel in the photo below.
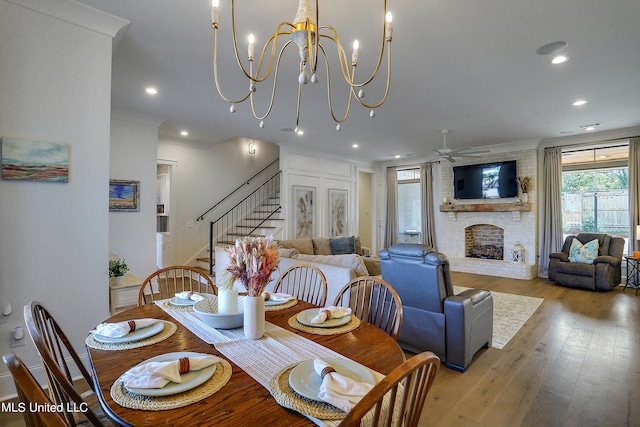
(516, 208)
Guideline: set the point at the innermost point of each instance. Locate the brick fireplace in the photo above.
(484, 241)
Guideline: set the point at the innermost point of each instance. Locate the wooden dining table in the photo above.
(242, 401)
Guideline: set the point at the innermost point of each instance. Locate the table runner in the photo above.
(262, 359)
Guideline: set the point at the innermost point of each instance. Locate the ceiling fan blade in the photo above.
(464, 151)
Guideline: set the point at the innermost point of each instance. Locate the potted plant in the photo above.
(117, 269)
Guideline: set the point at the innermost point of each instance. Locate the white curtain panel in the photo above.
(552, 208)
(634, 193)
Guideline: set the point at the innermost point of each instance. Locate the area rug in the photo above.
(510, 312)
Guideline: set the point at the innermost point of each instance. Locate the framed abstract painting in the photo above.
(337, 212)
(124, 195)
(304, 211)
(25, 160)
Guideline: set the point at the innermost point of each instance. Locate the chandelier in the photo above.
(308, 36)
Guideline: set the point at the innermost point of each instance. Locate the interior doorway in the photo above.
(366, 210)
(163, 215)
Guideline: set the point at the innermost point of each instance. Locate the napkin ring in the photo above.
(132, 325)
(184, 365)
(327, 312)
(189, 294)
(267, 296)
(326, 371)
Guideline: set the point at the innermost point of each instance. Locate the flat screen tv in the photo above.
(485, 181)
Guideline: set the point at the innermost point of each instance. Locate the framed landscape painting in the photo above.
(304, 211)
(338, 212)
(25, 160)
(124, 195)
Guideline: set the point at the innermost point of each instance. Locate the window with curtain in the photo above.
(409, 206)
(595, 190)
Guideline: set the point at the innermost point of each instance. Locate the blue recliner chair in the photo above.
(454, 327)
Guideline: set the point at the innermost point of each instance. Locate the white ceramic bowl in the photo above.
(207, 311)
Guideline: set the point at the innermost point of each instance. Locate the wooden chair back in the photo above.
(30, 393)
(305, 282)
(398, 399)
(168, 281)
(55, 350)
(375, 301)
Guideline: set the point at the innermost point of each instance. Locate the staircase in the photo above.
(257, 215)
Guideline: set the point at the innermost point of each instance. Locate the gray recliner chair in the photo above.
(452, 326)
(604, 274)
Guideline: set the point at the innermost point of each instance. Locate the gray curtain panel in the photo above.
(634, 192)
(391, 229)
(552, 208)
(427, 205)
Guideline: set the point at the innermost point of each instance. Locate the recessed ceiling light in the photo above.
(397, 156)
(560, 59)
(300, 132)
(355, 145)
(590, 127)
(551, 48)
(579, 102)
(151, 90)
(184, 133)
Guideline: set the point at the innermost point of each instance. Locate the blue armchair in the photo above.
(454, 327)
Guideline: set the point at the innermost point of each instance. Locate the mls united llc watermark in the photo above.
(43, 407)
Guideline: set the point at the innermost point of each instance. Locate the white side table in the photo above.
(125, 295)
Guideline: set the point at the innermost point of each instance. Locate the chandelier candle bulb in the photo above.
(250, 49)
(388, 29)
(214, 12)
(354, 55)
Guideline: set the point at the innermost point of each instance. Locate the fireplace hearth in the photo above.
(486, 252)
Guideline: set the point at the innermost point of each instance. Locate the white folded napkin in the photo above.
(276, 296)
(159, 374)
(120, 329)
(338, 390)
(332, 312)
(190, 295)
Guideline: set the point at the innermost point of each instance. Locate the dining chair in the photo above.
(305, 282)
(373, 300)
(30, 393)
(398, 399)
(59, 358)
(168, 281)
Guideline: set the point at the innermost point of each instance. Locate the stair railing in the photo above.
(253, 212)
(247, 182)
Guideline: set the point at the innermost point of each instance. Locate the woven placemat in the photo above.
(166, 305)
(348, 327)
(169, 329)
(282, 306)
(287, 397)
(125, 398)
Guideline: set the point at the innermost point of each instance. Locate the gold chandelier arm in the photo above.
(351, 92)
(386, 91)
(215, 72)
(273, 91)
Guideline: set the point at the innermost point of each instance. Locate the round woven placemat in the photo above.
(348, 327)
(169, 329)
(124, 397)
(168, 306)
(287, 397)
(282, 306)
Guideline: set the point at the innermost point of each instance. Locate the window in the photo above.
(595, 191)
(409, 208)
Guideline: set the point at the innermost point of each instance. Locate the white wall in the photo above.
(134, 146)
(201, 177)
(55, 74)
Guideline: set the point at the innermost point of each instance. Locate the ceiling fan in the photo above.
(448, 154)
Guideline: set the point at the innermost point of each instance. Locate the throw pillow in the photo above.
(321, 246)
(287, 253)
(303, 245)
(342, 245)
(349, 260)
(584, 254)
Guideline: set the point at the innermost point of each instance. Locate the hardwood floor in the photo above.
(576, 362)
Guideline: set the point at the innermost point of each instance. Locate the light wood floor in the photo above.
(576, 362)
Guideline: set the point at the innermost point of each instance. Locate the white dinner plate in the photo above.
(304, 380)
(181, 302)
(138, 334)
(276, 302)
(305, 317)
(191, 379)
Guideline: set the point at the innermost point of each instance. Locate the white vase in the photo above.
(254, 317)
(228, 301)
(116, 280)
(524, 197)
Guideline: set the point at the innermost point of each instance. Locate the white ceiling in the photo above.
(464, 65)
